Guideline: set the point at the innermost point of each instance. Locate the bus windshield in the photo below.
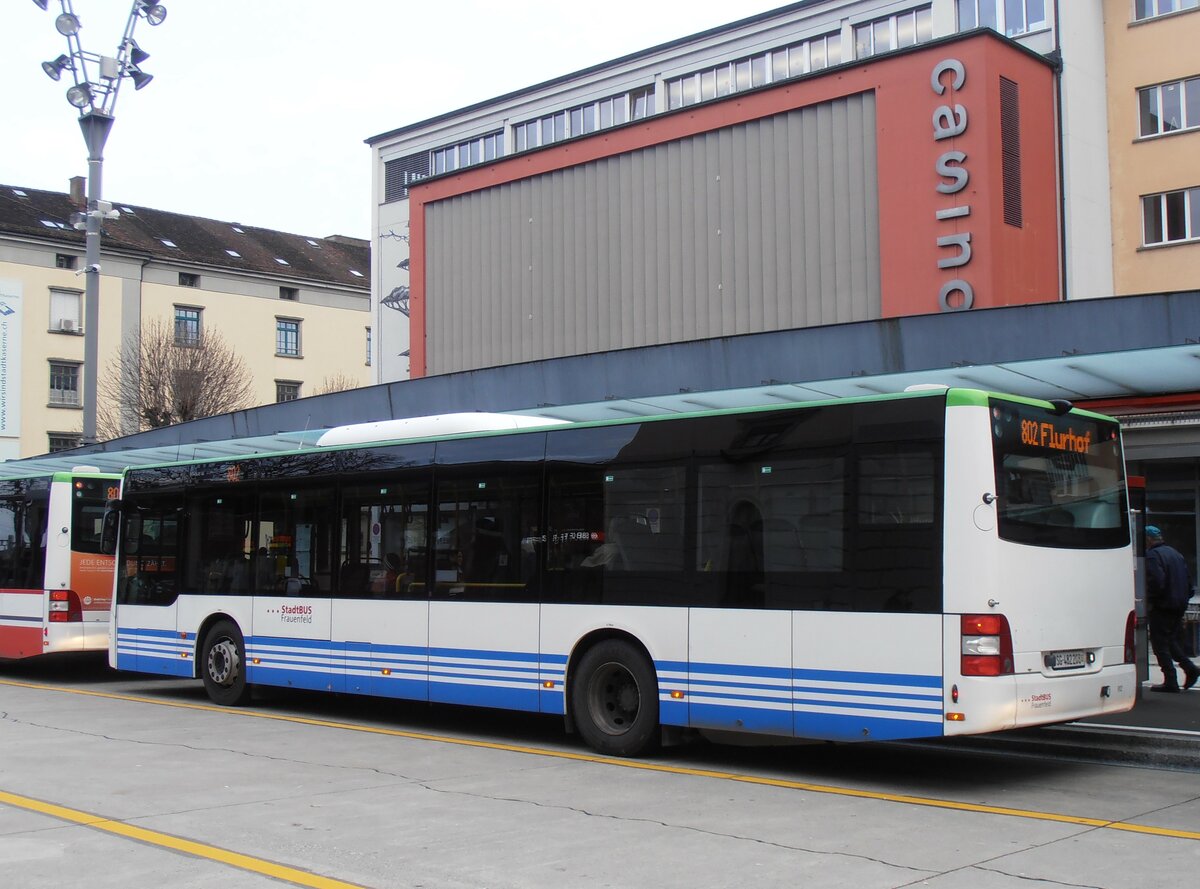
(1060, 479)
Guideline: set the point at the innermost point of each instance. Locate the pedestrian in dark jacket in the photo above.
(1168, 588)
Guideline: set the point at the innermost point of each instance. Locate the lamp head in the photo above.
(140, 78)
(67, 24)
(55, 68)
(154, 13)
(137, 55)
(80, 95)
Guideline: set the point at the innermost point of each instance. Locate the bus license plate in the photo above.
(1066, 660)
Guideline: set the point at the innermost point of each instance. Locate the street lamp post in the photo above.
(96, 99)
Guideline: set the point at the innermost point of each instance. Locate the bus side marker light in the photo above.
(386, 672)
(955, 717)
(954, 693)
(549, 683)
(676, 696)
(256, 661)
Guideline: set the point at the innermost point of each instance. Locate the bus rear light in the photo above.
(986, 645)
(65, 607)
(1130, 638)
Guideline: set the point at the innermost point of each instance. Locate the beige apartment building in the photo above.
(294, 308)
(1153, 88)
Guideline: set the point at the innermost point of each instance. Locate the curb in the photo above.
(1122, 746)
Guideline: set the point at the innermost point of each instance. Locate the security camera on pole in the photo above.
(96, 99)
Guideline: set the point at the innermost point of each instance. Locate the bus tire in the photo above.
(223, 665)
(614, 699)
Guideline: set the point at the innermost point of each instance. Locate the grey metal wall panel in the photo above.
(768, 225)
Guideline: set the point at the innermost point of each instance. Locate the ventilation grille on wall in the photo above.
(1010, 150)
(398, 174)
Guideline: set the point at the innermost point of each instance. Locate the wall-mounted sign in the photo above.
(950, 121)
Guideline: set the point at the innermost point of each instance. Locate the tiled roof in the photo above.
(46, 215)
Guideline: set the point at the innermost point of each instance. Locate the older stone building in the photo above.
(295, 308)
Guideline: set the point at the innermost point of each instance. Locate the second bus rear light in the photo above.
(65, 607)
(986, 645)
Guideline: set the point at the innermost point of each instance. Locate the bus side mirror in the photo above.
(108, 531)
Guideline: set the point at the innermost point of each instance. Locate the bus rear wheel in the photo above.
(614, 699)
(223, 665)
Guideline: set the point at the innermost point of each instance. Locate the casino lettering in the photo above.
(950, 121)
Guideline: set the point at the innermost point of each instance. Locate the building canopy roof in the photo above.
(190, 240)
(1106, 351)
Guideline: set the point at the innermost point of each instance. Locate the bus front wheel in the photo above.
(223, 665)
(614, 699)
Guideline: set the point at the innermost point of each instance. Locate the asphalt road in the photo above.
(114, 780)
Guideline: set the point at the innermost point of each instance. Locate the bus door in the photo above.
(747, 549)
(145, 632)
(382, 607)
(484, 613)
(288, 562)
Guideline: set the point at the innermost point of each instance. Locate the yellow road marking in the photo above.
(928, 802)
(177, 844)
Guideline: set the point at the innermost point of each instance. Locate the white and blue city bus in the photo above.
(931, 563)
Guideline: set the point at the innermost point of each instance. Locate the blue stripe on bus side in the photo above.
(718, 695)
(838, 727)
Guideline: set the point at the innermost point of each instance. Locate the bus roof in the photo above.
(767, 397)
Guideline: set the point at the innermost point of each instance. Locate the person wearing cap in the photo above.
(1168, 588)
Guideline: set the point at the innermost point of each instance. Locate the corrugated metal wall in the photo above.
(768, 225)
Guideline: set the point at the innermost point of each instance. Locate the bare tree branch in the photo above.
(338, 382)
(156, 382)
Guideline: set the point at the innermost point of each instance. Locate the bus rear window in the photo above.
(1060, 480)
(88, 498)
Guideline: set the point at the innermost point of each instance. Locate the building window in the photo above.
(64, 383)
(64, 311)
(1169, 107)
(466, 154)
(188, 279)
(368, 347)
(287, 390)
(289, 293)
(1171, 217)
(1148, 9)
(65, 261)
(754, 71)
(187, 326)
(1010, 17)
(907, 28)
(287, 337)
(64, 441)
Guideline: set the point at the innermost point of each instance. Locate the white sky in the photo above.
(259, 108)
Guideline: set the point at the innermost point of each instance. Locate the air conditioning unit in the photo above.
(66, 324)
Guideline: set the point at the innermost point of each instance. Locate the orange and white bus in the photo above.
(55, 584)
